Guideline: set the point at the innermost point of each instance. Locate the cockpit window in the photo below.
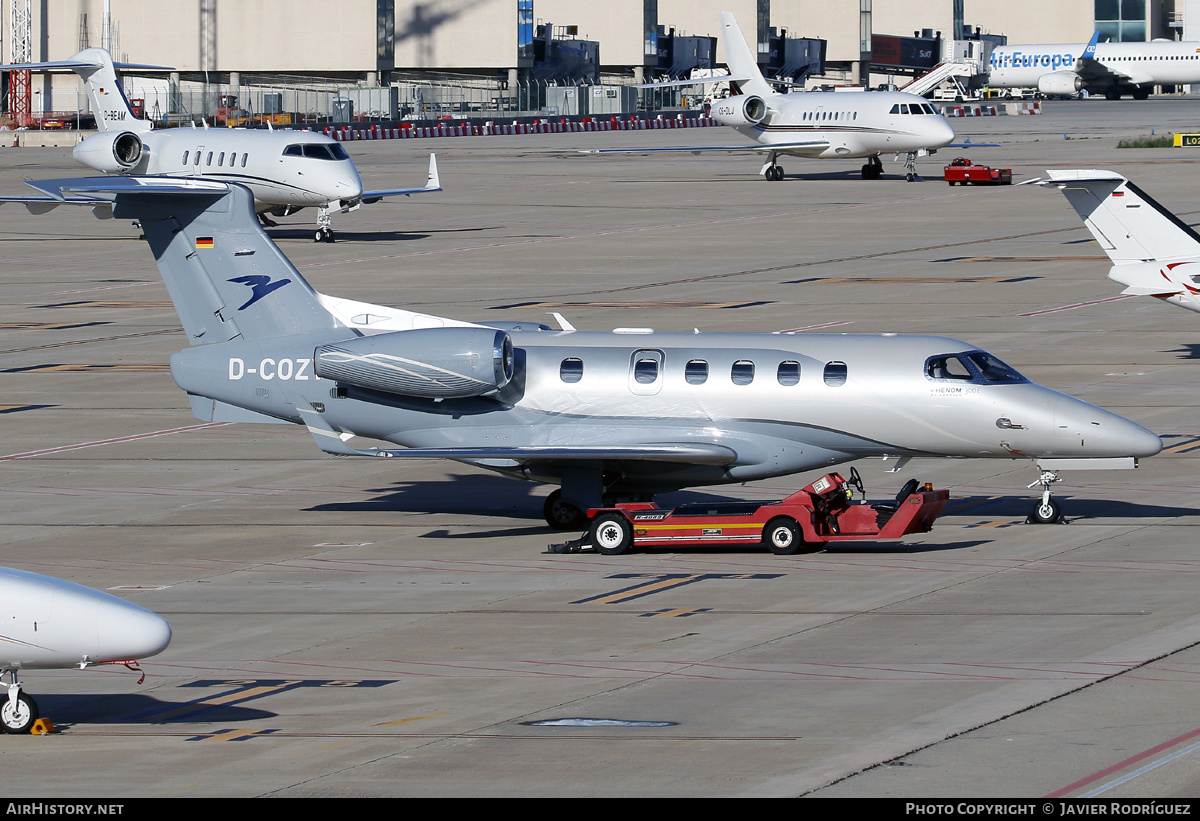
(324, 151)
(993, 369)
(978, 367)
(948, 367)
(295, 150)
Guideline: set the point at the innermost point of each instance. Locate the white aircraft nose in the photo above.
(126, 631)
(943, 132)
(1089, 431)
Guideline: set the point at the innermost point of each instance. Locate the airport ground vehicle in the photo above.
(962, 171)
(818, 513)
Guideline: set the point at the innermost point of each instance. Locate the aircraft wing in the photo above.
(803, 147)
(432, 183)
(691, 453)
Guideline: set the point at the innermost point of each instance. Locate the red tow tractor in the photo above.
(819, 513)
(962, 171)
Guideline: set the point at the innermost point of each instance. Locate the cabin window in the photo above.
(696, 372)
(209, 160)
(742, 372)
(221, 159)
(835, 374)
(571, 370)
(244, 156)
(185, 157)
(788, 373)
(645, 371)
(948, 367)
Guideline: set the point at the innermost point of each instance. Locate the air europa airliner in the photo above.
(1109, 68)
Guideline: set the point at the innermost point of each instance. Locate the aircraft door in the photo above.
(646, 372)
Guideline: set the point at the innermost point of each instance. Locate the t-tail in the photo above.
(1154, 253)
(109, 104)
(743, 65)
(225, 276)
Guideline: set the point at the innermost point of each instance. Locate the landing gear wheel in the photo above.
(782, 536)
(910, 177)
(562, 515)
(774, 173)
(323, 235)
(17, 717)
(612, 534)
(1112, 94)
(1046, 513)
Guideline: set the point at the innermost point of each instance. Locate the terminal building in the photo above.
(230, 59)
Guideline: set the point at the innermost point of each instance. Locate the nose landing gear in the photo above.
(1046, 511)
(324, 225)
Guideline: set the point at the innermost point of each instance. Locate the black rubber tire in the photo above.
(611, 534)
(562, 515)
(782, 536)
(19, 719)
(1046, 514)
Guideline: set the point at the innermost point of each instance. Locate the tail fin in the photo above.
(96, 67)
(743, 65)
(1129, 224)
(224, 274)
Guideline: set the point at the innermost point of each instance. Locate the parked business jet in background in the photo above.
(48, 623)
(286, 170)
(1111, 68)
(625, 414)
(1153, 252)
(822, 124)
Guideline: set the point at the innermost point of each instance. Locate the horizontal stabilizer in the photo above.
(1129, 224)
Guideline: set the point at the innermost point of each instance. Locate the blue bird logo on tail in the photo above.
(259, 285)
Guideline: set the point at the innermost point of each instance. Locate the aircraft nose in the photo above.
(1087, 431)
(943, 133)
(126, 631)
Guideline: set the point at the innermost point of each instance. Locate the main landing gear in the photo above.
(772, 171)
(18, 711)
(873, 170)
(1046, 511)
(562, 515)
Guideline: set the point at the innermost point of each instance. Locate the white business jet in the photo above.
(1154, 253)
(1111, 68)
(820, 124)
(286, 170)
(47, 623)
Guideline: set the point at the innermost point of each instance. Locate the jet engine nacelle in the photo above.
(433, 363)
(740, 110)
(110, 152)
(1060, 82)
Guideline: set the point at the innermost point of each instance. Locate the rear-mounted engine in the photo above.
(433, 363)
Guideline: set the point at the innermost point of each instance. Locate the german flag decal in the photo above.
(204, 242)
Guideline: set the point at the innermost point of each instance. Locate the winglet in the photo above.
(1089, 53)
(433, 183)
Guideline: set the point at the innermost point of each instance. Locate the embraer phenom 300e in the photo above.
(286, 170)
(819, 124)
(604, 415)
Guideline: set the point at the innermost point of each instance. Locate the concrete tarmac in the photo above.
(350, 627)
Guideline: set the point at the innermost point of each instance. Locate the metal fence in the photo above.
(292, 102)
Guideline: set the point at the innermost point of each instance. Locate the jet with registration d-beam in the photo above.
(1113, 69)
(286, 170)
(607, 416)
(815, 124)
(1153, 252)
(48, 623)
